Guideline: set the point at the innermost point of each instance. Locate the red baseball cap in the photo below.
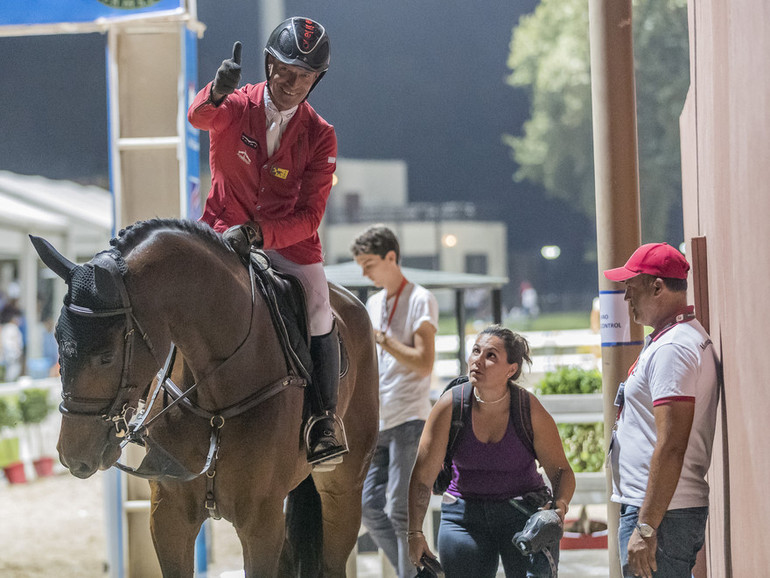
(659, 259)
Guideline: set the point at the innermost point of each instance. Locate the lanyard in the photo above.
(395, 304)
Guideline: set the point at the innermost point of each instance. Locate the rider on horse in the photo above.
(272, 161)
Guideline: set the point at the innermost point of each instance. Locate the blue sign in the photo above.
(195, 197)
(31, 12)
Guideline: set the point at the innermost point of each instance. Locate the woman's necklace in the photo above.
(476, 395)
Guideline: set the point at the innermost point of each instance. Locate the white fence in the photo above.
(549, 351)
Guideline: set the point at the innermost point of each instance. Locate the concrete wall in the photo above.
(726, 169)
(378, 183)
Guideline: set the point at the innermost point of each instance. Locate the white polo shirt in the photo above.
(679, 364)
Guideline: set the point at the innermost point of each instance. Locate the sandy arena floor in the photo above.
(54, 528)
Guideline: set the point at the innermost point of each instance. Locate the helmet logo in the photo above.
(309, 35)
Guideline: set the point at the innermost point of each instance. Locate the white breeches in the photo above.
(313, 279)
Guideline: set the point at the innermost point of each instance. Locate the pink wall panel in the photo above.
(726, 198)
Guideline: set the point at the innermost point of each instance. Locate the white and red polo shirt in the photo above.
(677, 365)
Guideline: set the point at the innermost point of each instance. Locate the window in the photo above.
(419, 261)
(476, 263)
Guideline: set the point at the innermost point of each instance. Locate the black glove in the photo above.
(229, 74)
(243, 237)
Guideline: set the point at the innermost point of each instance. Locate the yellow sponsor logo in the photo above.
(280, 173)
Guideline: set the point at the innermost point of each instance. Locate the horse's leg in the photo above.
(340, 491)
(341, 503)
(260, 528)
(175, 520)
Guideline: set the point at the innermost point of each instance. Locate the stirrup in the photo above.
(328, 459)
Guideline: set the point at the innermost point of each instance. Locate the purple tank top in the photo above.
(493, 471)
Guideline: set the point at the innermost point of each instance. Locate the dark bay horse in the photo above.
(170, 281)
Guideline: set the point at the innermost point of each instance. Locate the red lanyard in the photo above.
(395, 304)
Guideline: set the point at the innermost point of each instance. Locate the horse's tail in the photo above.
(304, 532)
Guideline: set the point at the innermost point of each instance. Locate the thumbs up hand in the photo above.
(228, 76)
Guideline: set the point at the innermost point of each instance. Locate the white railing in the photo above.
(549, 351)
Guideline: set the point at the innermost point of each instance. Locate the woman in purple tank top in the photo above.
(494, 474)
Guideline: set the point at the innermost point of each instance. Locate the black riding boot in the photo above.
(323, 447)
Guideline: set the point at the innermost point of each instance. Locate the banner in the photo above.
(195, 197)
(36, 12)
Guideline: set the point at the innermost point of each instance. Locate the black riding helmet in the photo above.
(300, 42)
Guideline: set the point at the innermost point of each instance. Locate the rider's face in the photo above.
(288, 84)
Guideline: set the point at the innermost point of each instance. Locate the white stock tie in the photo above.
(273, 135)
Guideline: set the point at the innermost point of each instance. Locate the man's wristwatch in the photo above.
(645, 530)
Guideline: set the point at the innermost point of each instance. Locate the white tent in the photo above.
(77, 219)
(77, 216)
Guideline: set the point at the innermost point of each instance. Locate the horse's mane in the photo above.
(133, 235)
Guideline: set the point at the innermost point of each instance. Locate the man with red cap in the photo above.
(661, 443)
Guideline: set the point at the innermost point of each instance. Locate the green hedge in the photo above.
(9, 412)
(583, 443)
(568, 380)
(33, 404)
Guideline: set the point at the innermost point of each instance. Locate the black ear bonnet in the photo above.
(90, 286)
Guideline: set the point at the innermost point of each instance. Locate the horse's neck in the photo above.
(189, 295)
(228, 341)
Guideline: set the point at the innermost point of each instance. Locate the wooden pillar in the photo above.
(617, 192)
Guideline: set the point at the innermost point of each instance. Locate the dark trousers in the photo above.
(475, 534)
(680, 536)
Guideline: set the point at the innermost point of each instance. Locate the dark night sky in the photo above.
(420, 81)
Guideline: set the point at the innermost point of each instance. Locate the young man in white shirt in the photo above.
(405, 320)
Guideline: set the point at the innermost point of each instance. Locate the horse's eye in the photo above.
(106, 358)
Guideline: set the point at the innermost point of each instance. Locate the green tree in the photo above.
(550, 56)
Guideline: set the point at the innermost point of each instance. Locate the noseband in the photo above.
(118, 409)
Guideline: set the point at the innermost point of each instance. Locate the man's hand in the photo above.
(228, 76)
(641, 554)
(243, 237)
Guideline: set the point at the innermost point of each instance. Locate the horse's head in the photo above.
(96, 336)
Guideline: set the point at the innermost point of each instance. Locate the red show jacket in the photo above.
(286, 193)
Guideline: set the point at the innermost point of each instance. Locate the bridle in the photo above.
(118, 410)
